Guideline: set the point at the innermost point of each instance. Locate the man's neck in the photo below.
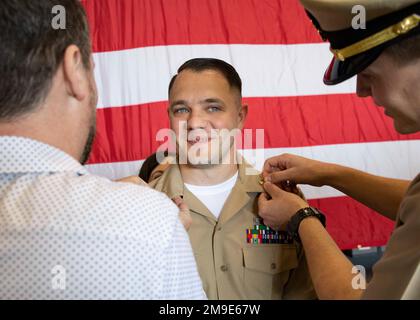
(207, 175)
(36, 128)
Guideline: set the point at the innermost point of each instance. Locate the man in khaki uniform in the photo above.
(222, 195)
(386, 58)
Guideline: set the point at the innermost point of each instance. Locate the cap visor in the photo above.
(339, 71)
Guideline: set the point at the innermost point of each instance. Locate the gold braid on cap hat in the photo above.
(377, 39)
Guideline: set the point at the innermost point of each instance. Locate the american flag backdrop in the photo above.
(139, 44)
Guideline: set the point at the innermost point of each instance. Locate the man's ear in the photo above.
(243, 112)
(75, 73)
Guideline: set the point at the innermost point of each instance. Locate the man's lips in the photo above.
(199, 140)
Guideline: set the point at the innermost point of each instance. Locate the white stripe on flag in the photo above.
(142, 75)
(390, 159)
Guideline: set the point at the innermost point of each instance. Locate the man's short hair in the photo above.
(32, 50)
(203, 64)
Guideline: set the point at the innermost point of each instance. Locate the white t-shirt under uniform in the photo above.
(214, 196)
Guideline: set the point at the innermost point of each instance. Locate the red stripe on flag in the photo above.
(128, 133)
(352, 224)
(119, 25)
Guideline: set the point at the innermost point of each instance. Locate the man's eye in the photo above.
(214, 108)
(180, 110)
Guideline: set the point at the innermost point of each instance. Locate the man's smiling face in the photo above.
(205, 103)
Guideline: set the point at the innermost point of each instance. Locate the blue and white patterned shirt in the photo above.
(66, 234)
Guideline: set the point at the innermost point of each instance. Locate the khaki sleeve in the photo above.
(395, 275)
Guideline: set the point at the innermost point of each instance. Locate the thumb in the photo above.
(273, 190)
(183, 206)
(262, 199)
(177, 200)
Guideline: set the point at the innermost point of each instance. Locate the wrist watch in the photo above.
(294, 223)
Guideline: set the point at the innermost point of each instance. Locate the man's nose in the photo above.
(196, 120)
(363, 87)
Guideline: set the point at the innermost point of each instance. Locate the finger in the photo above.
(262, 201)
(177, 201)
(274, 163)
(263, 205)
(183, 206)
(271, 165)
(272, 190)
(282, 176)
(263, 198)
(271, 224)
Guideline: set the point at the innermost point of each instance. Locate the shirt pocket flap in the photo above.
(271, 258)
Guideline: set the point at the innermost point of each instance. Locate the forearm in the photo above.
(330, 270)
(383, 195)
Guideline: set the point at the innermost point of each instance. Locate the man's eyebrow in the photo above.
(178, 102)
(212, 100)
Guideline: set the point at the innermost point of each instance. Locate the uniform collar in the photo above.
(247, 184)
(249, 177)
(21, 155)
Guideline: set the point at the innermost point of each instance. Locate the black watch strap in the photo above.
(294, 223)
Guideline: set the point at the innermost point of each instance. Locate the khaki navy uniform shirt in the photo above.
(229, 267)
(397, 274)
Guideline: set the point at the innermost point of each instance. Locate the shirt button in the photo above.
(224, 268)
(219, 228)
(273, 266)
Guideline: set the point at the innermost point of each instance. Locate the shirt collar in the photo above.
(249, 177)
(19, 155)
(172, 183)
